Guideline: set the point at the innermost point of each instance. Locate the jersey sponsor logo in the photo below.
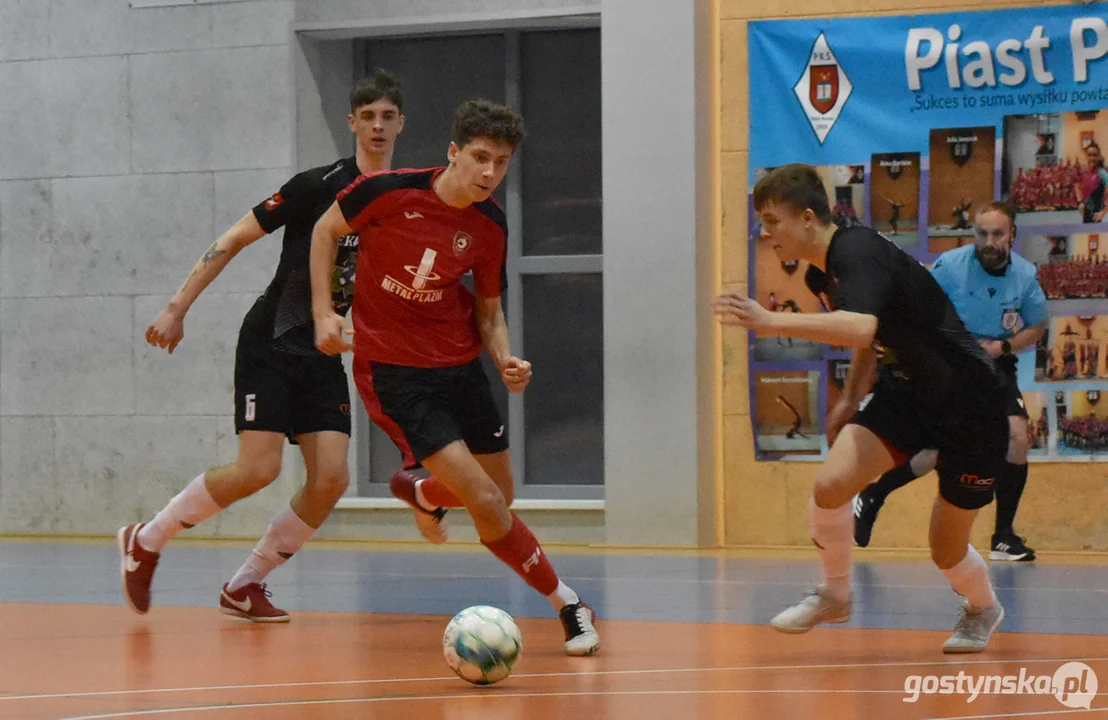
(462, 242)
(976, 481)
(412, 215)
(420, 276)
(823, 89)
(273, 201)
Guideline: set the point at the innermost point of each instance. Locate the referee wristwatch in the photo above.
(1005, 347)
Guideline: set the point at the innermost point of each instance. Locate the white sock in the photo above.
(833, 533)
(284, 536)
(563, 595)
(188, 508)
(970, 579)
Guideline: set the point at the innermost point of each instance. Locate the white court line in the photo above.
(370, 574)
(585, 673)
(476, 695)
(1011, 715)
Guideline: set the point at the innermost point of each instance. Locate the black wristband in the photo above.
(1006, 347)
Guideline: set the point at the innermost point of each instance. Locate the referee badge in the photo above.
(1010, 319)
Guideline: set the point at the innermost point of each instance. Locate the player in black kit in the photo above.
(284, 386)
(917, 379)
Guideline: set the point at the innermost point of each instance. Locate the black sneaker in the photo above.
(581, 636)
(865, 515)
(1011, 548)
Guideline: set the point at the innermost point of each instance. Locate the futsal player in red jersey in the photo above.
(418, 334)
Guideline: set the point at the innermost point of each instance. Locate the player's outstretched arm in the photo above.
(168, 328)
(329, 325)
(515, 373)
(840, 327)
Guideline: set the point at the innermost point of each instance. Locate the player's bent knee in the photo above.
(833, 492)
(331, 484)
(259, 474)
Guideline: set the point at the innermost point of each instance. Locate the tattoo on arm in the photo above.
(212, 253)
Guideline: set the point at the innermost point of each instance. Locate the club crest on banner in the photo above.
(1092, 396)
(961, 148)
(823, 89)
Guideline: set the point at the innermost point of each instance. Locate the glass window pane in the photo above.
(561, 156)
(437, 75)
(563, 338)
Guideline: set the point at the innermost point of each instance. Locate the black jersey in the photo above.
(283, 313)
(922, 347)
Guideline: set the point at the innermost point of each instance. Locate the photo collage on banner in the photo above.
(912, 145)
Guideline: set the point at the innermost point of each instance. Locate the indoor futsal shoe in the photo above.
(581, 637)
(865, 515)
(251, 602)
(818, 606)
(1010, 548)
(431, 523)
(136, 565)
(974, 628)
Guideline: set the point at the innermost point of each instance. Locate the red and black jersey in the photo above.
(283, 313)
(410, 307)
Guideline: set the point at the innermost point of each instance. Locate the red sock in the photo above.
(520, 551)
(435, 493)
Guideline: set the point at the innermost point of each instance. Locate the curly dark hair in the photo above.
(484, 119)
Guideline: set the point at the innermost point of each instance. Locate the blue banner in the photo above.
(886, 80)
(914, 123)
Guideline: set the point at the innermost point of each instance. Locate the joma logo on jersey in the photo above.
(823, 89)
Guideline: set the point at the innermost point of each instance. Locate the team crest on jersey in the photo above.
(273, 201)
(1010, 319)
(462, 241)
(823, 89)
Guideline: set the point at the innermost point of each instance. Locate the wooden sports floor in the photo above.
(684, 636)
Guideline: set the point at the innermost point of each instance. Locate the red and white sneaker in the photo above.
(252, 603)
(431, 523)
(136, 565)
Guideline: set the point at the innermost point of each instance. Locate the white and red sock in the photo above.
(520, 551)
(188, 508)
(285, 535)
(970, 579)
(833, 533)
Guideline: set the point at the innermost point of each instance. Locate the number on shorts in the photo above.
(250, 407)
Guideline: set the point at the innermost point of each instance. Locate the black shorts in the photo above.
(280, 392)
(426, 409)
(972, 452)
(1013, 398)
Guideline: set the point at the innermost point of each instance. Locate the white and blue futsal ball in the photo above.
(481, 644)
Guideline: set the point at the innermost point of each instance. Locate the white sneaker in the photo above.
(974, 628)
(817, 607)
(581, 636)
